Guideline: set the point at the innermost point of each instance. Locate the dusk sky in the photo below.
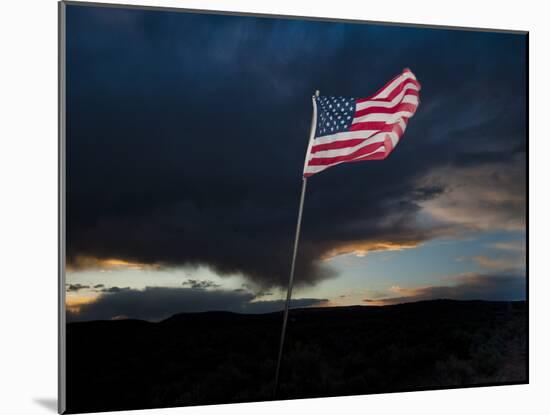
(186, 137)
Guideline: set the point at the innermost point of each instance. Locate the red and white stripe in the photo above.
(378, 124)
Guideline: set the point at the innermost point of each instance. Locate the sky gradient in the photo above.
(186, 136)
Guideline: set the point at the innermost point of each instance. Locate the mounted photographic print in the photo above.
(258, 208)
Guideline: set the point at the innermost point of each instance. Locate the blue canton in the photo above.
(334, 115)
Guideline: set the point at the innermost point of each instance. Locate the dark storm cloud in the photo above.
(186, 135)
(76, 287)
(262, 293)
(200, 284)
(157, 303)
(115, 289)
(500, 287)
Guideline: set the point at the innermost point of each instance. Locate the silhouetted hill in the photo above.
(223, 357)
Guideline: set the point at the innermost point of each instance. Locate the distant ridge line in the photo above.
(231, 315)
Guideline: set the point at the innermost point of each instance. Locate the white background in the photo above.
(28, 208)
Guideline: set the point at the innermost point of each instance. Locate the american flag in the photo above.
(358, 129)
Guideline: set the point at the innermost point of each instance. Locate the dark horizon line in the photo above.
(306, 309)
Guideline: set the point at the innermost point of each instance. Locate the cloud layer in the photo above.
(186, 136)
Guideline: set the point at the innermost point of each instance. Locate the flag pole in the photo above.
(296, 240)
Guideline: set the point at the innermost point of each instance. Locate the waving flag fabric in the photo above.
(358, 129)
